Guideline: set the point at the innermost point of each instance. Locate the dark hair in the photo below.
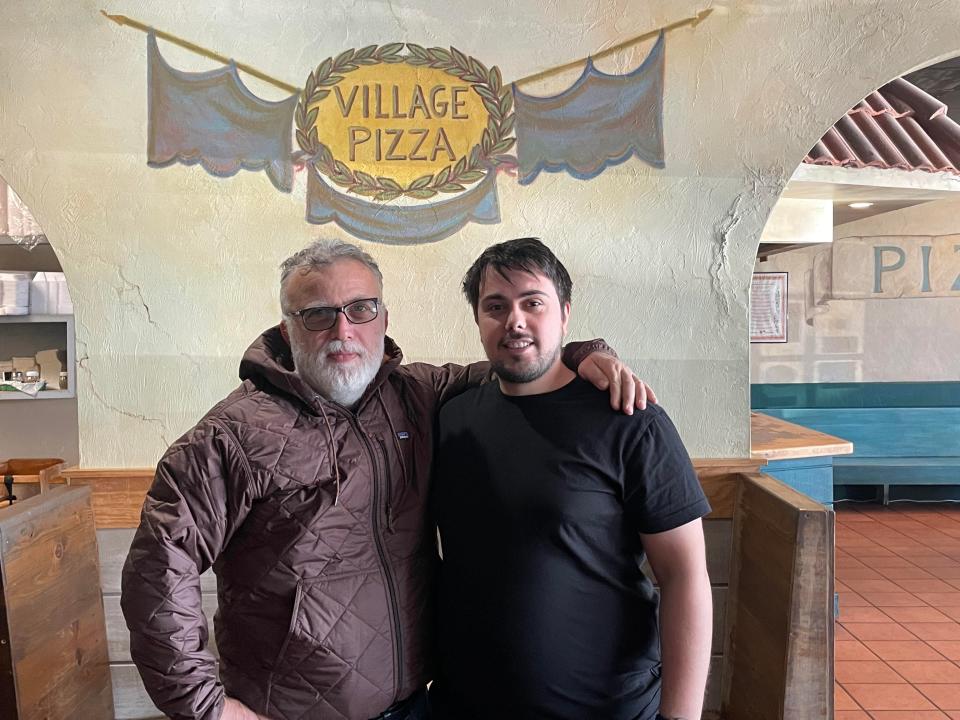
(528, 254)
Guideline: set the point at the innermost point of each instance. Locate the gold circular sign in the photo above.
(385, 125)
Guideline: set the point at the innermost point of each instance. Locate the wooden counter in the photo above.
(775, 439)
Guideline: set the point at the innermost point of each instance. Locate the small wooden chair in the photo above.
(27, 470)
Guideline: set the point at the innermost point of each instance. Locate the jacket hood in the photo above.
(268, 362)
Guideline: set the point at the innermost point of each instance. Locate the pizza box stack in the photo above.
(14, 293)
(49, 295)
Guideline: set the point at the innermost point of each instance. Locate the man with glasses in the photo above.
(306, 491)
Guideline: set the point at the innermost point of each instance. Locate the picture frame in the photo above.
(768, 307)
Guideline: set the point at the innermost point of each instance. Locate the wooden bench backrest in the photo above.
(53, 654)
(923, 432)
(778, 657)
(118, 494)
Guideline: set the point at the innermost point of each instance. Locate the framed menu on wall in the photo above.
(768, 307)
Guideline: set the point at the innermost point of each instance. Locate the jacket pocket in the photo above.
(291, 631)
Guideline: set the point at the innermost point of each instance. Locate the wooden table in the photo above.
(797, 455)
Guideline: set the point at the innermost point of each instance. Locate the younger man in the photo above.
(547, 503)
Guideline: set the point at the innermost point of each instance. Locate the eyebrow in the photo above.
(525, 293)
(348, 302)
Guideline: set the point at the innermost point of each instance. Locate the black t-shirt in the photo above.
(540, 500)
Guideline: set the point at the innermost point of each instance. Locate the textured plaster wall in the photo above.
(173, 272)
(881, 340)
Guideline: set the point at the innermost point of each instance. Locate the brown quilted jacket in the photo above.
(324, 600)
(314, 520)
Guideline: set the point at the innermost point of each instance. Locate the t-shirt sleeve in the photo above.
(661, 488)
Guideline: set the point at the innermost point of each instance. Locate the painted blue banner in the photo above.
(212, 119)
(402, 224)
(600, 121)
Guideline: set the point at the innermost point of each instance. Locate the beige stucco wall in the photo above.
(913, 339)
(172, 271)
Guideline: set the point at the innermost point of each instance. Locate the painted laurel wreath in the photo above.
(490, 152)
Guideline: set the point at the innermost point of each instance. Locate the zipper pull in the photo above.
(389, 519)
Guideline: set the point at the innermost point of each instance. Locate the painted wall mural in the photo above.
(884, 267)
(403, 144)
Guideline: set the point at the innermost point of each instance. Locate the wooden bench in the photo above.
(769, 555)
(53, 646)
(892, 446)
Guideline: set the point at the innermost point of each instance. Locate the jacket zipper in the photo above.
(382, 555)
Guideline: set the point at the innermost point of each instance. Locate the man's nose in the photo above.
(342, 328)
(516, 319)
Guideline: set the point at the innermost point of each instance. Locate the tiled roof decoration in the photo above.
(898, 127)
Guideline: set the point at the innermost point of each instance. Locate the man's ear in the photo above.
(386, 319)
(565, 315)
(283, 331)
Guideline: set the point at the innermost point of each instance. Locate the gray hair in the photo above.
(321, 253)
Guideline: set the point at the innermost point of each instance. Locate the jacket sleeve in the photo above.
(199, 495)
(450, 380)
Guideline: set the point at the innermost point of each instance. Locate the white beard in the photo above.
(343, 384)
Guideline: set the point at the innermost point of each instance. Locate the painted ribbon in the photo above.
(599, 121)
(402, 224)
(212, 119)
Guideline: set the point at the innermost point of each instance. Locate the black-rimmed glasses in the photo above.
(323, 318)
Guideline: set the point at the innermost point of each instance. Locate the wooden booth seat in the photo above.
(892, 446)
(769, 555)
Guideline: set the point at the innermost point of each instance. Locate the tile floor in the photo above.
(898, 634)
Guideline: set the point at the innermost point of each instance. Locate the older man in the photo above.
(306, 491)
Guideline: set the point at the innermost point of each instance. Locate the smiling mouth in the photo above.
(517, 344)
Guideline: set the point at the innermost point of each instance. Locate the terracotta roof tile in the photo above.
(898, 127)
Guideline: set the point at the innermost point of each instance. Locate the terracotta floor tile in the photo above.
(903, 650)
(946, 573)
(951, 611)
(880, 563)
(865, 552)
(866, 586)
(845, 562)
(950, 649)
(852, 650)
(894, 599)
(870, 671)
(881, 631)
(920, 671)
(842, 699)
(867, 613)
(906, 573)
(945, 697)
(931, 561)
(906, 548)
(841, 633)
(931, 631)
(907, 715)
(854, 540)
(852, 715)
(933, 585)
(862, 573)
(890, 696)
(953, 714)
(916, 614)
(937, 599)
(852, 599)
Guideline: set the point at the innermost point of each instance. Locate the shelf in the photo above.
(35, 318)
(42, 395)
(69, 338)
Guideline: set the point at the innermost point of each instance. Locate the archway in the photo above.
(36, 335)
